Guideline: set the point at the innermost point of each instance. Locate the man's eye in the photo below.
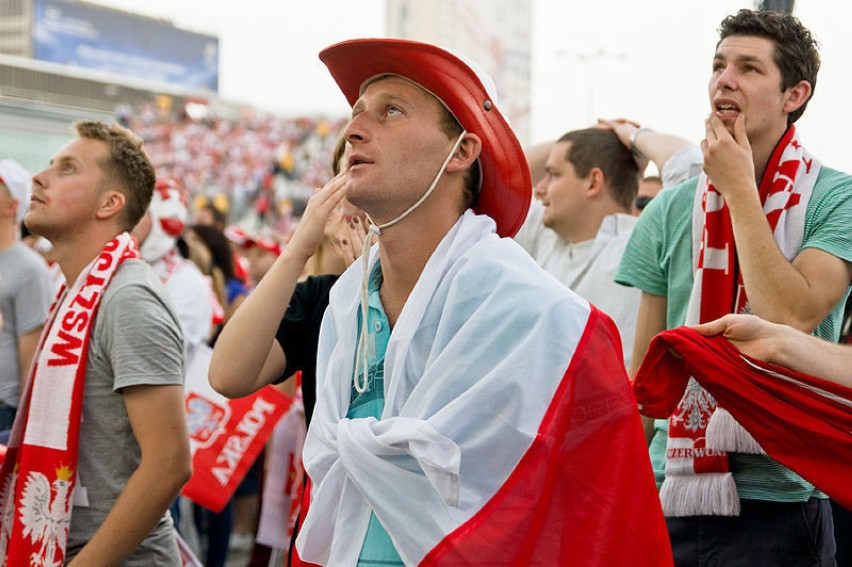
(392, 110)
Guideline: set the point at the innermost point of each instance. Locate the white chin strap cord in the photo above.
(361, 356)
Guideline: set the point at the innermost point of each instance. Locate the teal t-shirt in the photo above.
(377, 549)
(658, 260)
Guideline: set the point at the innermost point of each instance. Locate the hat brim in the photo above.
(506, 185)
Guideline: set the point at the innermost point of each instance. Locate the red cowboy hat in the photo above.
(506, 185)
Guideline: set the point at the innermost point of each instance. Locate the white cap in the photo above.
(19, 181)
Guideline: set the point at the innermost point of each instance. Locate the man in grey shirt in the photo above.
(25, 290)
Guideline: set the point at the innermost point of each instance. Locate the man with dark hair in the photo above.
(587, 196)
(764, 229)
(101, 426)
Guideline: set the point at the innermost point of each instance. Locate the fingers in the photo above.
(740, 134)
(711, 328)
(709, 129)
(351, 240)
(358, 233)
(329, 197)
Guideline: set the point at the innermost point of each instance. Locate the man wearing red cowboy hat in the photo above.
(471, 409)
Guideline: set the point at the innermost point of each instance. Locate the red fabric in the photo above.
(802, 429)
(584, 493)
(226, 435)
(228, 442)
(241, 269)
(296, 561)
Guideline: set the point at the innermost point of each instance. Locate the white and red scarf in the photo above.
(770, 400)
(39, 473)
(698, 478)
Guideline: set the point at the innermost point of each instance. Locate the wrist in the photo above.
(634, 137)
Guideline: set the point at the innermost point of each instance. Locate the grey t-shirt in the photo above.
(136, 340)
(26, 290)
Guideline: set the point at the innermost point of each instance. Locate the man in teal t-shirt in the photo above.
(764, 71)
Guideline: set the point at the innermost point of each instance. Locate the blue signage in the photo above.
(74, 33)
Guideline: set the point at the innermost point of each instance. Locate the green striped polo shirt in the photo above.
(658, 260)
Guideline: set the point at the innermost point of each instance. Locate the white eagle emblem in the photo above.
(695, 407)
(44, 515)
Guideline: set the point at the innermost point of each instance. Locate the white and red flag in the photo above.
(509, 436)
(284, 478)
(226, 436)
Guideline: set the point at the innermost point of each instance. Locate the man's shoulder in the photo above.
(830, 180)
(832, 195)
(134, 278)
(684, 190)
(501, 265)
(670, 207)
(188, 273)
(131, 271)
(22, 258)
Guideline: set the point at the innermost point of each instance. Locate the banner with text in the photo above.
(226, 436)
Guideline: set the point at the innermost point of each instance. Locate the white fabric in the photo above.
(169, 211)
(284, 478)
(471, 366)
(188, 290)
(684, 164)
(588, 268)
(19, 182)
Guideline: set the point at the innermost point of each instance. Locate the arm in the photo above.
(27, 344)
(158, 420)
(784, 346)
(650, 321)
(246, 356)
(537, 158)
(651, 145)
(799, 293)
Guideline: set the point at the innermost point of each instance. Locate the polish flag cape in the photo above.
(509, 437)
(803, 422)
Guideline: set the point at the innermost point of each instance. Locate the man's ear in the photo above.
(797, 95)
(112, 203)
(596, 182)
(467, 153)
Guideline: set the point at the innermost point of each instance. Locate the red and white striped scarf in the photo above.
(698, 478)
(39, 473)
